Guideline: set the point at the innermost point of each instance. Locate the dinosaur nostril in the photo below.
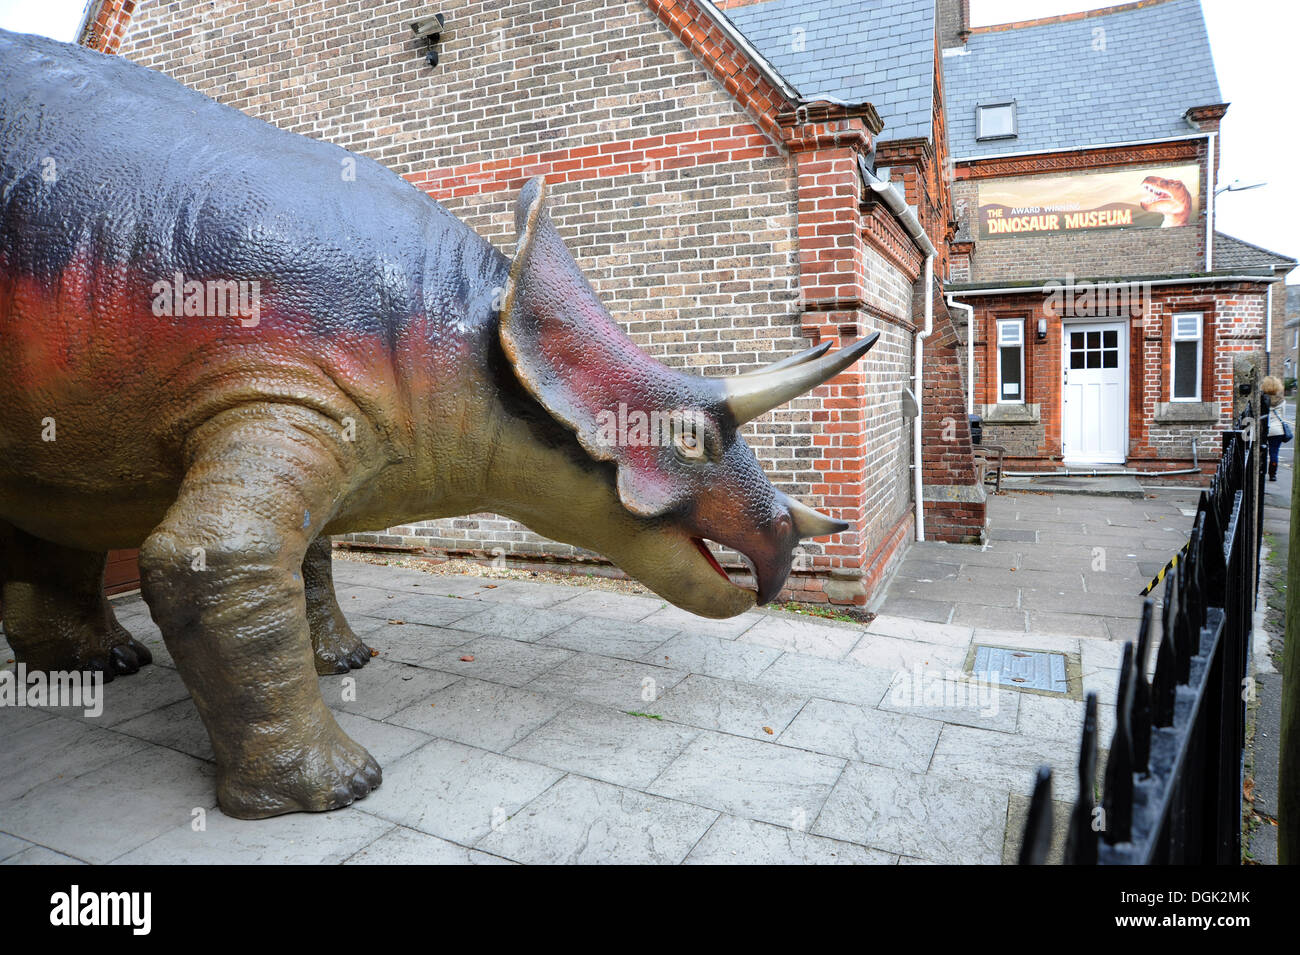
(784, 525)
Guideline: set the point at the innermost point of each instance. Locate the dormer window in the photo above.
(995, 120)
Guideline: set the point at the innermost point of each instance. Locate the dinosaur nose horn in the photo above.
(810, 523)
(748, 396)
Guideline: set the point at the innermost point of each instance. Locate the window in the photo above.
(995, 121)
(1186, 357)
(1011, 361)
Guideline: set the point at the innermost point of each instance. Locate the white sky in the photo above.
(1253, 44)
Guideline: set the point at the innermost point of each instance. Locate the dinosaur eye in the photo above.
(688, 436)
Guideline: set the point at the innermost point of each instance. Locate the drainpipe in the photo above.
(1212, 178)
(1268, 330)
(970, 351)
(906, 217)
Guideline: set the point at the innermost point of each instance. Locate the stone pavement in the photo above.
(592, 726)
(1266, 709)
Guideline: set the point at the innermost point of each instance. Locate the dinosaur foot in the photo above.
(329, 775)
(124, 656)
(337, 648)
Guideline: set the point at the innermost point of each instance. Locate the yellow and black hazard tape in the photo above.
(1173, 562)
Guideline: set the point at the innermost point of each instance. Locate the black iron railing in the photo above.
(1172, 787)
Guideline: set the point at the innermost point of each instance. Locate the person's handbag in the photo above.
(1287, 433)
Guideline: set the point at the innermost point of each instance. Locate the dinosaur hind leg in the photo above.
(337, 649)
(56, 617)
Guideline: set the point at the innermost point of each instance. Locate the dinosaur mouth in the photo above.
(1156, 194)
(702, 546)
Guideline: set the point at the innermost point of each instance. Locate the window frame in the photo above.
(1174, 339)
(981, 136)
(998, 345)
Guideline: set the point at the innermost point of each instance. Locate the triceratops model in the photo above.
(222, 342)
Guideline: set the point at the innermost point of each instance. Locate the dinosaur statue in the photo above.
(221, 343)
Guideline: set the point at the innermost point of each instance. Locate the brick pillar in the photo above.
(106, 24)
(954, 500)
(826, 141)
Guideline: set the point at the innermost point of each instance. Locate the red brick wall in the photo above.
(720, 228)
(1233, 324)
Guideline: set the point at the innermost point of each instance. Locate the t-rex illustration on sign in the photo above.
(1167, 196)
(222, 342)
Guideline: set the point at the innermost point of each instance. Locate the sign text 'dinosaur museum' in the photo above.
(1130, 198)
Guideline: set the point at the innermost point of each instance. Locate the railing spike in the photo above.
(1081, 839)
(1117, 798)
(1183, 629)
(1038, 823)
(1141, 725)
(1164, 687)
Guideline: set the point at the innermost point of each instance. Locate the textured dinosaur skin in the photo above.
(398, 368)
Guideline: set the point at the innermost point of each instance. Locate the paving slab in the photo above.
(612, 637)
(295, 839)
(677, 619)
(456, 792)
(997, 760)
(829, 639)
(150, 791)
(927, 817)
(54, 749)
(381, 688)
(621, 684)
(713, 656)
(487, 715)
(39, 855)
(499, 660)
(621, 748)
(741, 709)
(864, 734)
(762, 781)
(582, 821)
(514, 622)
(735, 841)
(602, 603)
(921, 631)
(847, 682)
(402, 846)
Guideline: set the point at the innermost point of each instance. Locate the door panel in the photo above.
(1094, 420)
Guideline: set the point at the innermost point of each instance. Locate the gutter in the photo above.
(970, 352)
(906, 217)
(1058, 286)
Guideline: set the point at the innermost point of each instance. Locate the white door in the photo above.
(1094, 420)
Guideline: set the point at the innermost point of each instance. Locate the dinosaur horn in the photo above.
(807, 355)
(748, 396)
(810, 523)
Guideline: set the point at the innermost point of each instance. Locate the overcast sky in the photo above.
(1253, 43)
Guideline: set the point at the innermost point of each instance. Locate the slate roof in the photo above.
(1075, 86)
(860, 51)
(1233, 253)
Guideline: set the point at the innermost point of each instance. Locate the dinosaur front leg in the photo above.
(337, 648)
(55, 615)
(223, 578)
